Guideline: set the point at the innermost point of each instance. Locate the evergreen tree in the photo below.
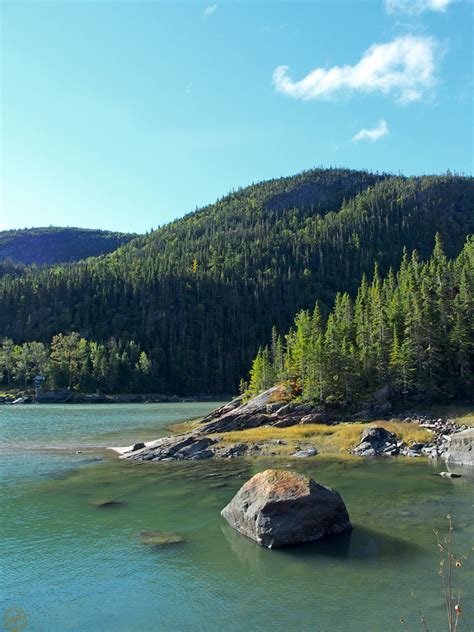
(403, 331)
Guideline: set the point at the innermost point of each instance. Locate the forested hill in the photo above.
(56, 245)
(200, 295)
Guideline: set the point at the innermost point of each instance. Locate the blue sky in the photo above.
(125, 115)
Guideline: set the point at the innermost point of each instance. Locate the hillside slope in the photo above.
(57, 245)
(201, 294)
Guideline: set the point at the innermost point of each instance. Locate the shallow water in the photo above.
(73, 566)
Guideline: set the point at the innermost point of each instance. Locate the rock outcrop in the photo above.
(263, 410)
(461, 448)
(376, 441)
(277, 508)
(191, 446)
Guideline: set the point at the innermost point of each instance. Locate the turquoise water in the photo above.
(72, 566)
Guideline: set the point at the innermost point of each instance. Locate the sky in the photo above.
(126, 115)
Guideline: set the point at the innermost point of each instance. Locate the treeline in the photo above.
(201, 294)
(74, 363)
(412, 332)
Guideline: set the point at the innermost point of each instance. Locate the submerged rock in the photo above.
(277, 508)
(449, 475)
(108, 503)
(159, 538)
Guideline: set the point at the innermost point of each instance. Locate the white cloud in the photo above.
(373, 134)
(404, 67)
(415, 7)
(212, 8)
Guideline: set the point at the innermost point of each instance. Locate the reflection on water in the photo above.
(73, 565)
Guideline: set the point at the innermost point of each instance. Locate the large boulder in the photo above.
(461, 448)
(276, 508)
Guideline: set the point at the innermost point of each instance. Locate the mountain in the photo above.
(46, 246)
(201, 294)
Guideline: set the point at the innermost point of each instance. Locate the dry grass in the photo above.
(282, 395)
(462, 415)
(184, 426)
(336, 439)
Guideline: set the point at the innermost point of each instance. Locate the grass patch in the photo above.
(281, 395)
(336, 439)
(462, 415)
(183, 427)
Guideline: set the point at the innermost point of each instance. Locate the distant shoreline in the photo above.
(70, 397)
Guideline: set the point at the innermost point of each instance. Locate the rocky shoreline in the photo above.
(71, 397)
(447, 440)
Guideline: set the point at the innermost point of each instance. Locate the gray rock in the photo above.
(191, 450)
(303, 409)
(187, 446)
(273, 408)
(409, 452)
(461, 448)
(235, 421)
(137, 446)
(375, 441)
(313, 418)
(251, 414)
(277, 508)
(366, 451)
(235, 450)
(286, 422)
(223, 410)
(204, 454)
(306, 452)
(284, 410)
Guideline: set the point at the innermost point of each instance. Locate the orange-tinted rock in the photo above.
(276, 508)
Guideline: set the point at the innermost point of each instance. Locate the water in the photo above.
(71, 566)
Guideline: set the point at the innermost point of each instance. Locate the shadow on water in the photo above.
(359, 544)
